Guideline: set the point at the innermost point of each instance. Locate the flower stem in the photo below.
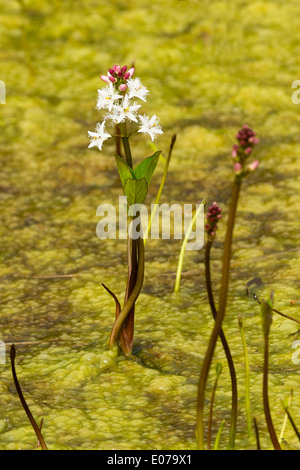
(234, 401)
(221, 312)
(126, 145)
(127, 332)
(132, 297)
(127, 328)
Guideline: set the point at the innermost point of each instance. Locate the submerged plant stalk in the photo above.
(293, 423)
(266, 308)
(256, 430)
(23, 401)
(132, 298)
(247, 386)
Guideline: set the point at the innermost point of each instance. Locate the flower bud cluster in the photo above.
(247, 140)
(213, 216)
(119, 76)
(118, 97)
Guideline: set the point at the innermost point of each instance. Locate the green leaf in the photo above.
(136, 190)
(146, 168)
(124, 170)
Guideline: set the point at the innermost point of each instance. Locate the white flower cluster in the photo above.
(119, 102)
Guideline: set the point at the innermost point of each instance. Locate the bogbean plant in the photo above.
(121, 98)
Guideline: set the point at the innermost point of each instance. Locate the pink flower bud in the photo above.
(126, 76)
(124, 68)
(117, 68)
(123, 87)
(254, 140)
(253, 165)
(104, 78)
(248, 150)
(112, 79)
(131, 71)
(237, 168)
(234, 151)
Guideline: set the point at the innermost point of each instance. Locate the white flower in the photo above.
(136, 89)
(98, 137)
(150, 126)
(107, 96)
(126, 110)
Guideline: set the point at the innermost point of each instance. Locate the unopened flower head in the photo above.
(119, 76)
(213, 216)
(247, 140)
(120, 99)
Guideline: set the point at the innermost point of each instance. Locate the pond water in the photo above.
(210, 66)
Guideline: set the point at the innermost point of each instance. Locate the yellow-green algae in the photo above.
(210, 66)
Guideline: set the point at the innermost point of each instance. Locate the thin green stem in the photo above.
(234, 402)
(293, 424)
(247, 369)
(285, 416)
(184, 244)
(218, 437)
(118, 141)
(126, 145)
(218, 373)
(221, 312)
(162, 183)
(132, 298)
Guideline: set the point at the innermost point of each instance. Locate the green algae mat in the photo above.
(211, 67)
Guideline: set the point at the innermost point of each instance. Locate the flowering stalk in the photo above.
(213, 216)
(241, 151)
(118, 99)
